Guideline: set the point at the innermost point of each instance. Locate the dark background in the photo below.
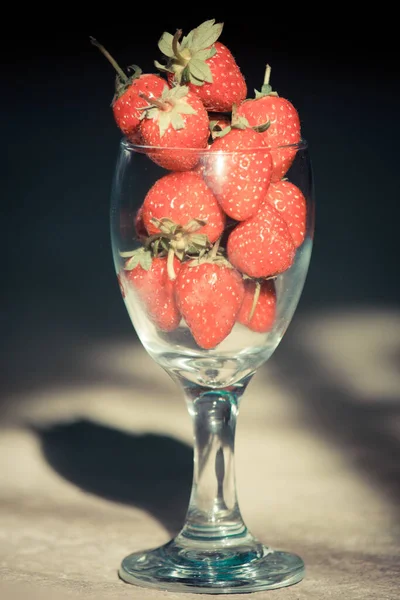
(59, 146)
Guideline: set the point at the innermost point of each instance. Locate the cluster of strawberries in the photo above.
(214, 233)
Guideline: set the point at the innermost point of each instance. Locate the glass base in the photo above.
(222, 571)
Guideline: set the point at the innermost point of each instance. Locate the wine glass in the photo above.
(214, 551)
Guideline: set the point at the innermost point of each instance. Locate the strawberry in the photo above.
(291, 204)
(140, 229)
(175, 121)
(183, 197)
(259, 305)
(149, 278)
(128, 101)
(204, 64)
(239, 178)
(261, 246)
(284, 124)
(209, 293)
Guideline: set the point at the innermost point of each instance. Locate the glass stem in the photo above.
(213, 512)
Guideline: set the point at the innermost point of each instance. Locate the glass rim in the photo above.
(127, 145)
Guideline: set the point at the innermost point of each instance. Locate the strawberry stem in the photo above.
(170, 264)
(124, 78)
(175, 46)
(267, 75)
(255, 300)
(154, 102)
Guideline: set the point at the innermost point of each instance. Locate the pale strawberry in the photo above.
(149, 278)
(183, 197)
(240, 176)
(284, 127)
(176, 125)
(258, 308)
(207, 66)
(289, 200)
(261, 246)
(128, 101)
(209, 296)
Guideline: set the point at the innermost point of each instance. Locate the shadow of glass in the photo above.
(149, 471)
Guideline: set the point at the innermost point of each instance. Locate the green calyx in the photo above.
(122, 85)
(122, 81)
(237, 122)
(214, 255)
(187, 59)
(266, 89)
(141, 256)
(168, 109)
(181, 241)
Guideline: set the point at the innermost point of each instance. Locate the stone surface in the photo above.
(89, 473)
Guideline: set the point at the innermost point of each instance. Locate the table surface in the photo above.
(93, 470)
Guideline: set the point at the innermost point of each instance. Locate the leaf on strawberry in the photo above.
(200, 70)
(156, 246)
(262, 128)
(206, 53)
(187, 77)
(194, 225)
(206, 34)
(175, 94)
(165, 225)
(187, 59)
(168, 110)
(148, 112)
(141, 256)
(161, 67)
(239, 122)
(165, 44)
(187, 40)
(127, 254)
(222, 132)
(186, 109)
(199, 243)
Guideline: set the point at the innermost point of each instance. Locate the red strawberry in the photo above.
(183, 197)
(291, 203)
(206, 65)
(261, 246)
(239, 178)
(149, 277)
(259, 305)
(284, 129)
(139, 225)
(175, 121)
(128, 101)
(209, 296)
